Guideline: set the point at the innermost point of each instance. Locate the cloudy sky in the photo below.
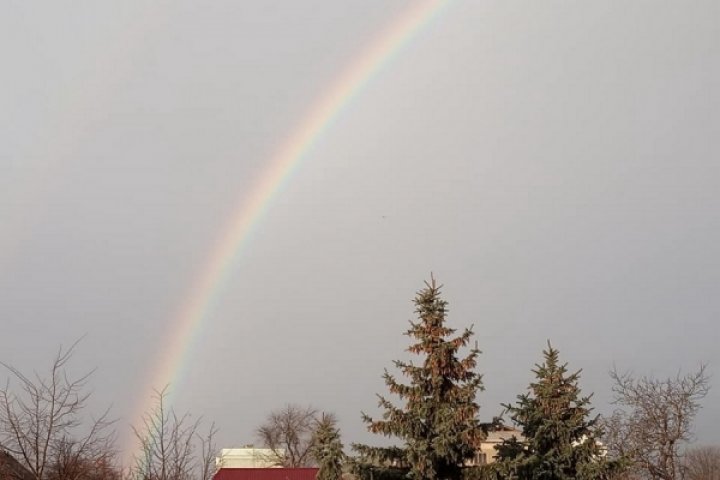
(555, 164)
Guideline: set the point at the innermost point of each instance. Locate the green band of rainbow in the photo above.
(208, 285)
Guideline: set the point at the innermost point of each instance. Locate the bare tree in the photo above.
(288, 432)
(654, 420)
(42, 424)
(702, 463)
(208, 452)
(169, 445)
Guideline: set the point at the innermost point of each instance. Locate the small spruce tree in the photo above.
(327, 449)
(560, 440)
(438, 421)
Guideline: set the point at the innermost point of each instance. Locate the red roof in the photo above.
(266, 474)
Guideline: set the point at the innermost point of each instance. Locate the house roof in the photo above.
(266, 474)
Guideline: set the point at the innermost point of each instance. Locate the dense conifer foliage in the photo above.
(438, 420)
(560, 438)
(327, 448)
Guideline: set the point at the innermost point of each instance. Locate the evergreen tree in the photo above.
(560, 439)
(438, 421)
(327, 449)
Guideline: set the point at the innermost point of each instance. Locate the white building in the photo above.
(249, 457)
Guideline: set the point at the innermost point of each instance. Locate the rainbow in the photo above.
(209, 284)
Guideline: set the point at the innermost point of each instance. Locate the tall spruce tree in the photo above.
(438, 421)
(327, 449)
(560, 439)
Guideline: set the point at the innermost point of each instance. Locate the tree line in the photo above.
(46, 434)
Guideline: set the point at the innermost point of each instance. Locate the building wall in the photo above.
(248, 458)
(486, 452)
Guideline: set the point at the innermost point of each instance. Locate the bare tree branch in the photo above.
(288, 432)
(654, 420)
(169, 445)
(702, 463)
(208, 451)
(41, 422)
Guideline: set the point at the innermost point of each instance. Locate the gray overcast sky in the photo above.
(555, 164)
